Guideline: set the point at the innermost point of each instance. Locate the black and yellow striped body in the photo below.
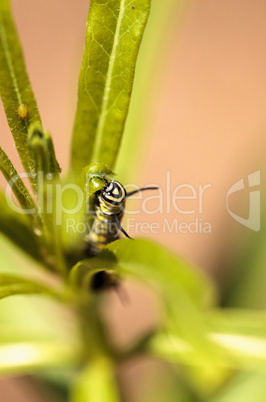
(110, 205)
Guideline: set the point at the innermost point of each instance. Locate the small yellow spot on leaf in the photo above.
(22, 111)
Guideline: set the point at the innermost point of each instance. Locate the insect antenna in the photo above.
(129, 195)
(141, 189)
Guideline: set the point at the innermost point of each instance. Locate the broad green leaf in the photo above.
(182, 293)
(13, 285)
(82, 273)
(17, 228)
(16, 184)
(15, 87)
(114, 33)
(96, 384)
(182, 290)
(151, 262)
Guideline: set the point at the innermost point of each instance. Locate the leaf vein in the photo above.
(10, 62)
(104, 107)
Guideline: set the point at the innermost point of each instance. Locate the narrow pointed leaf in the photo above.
(16, 184)
(15, 89)
(42, 151)
(114, 32)
(23, 357)
(47, 168)
(240, 336)
(17, 228)
(13, 285)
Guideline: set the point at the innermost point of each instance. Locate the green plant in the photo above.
(207, 344)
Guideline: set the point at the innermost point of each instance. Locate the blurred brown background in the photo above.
(200, 97)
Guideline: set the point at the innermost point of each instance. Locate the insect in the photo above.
(110, 205)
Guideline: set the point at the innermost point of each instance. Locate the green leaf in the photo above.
(48, 180)
(242, 387)
(151, 262)
(16, 93)
(96, 384)
(114, 33)
(19, 357)
(238, 338)
(42, 151)
(48, 330)
(17, 228)
(16, 184)
(241, 335)
(182, 292)
(83, 272)
(13, 285)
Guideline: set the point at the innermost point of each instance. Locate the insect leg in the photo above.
(120, 227)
